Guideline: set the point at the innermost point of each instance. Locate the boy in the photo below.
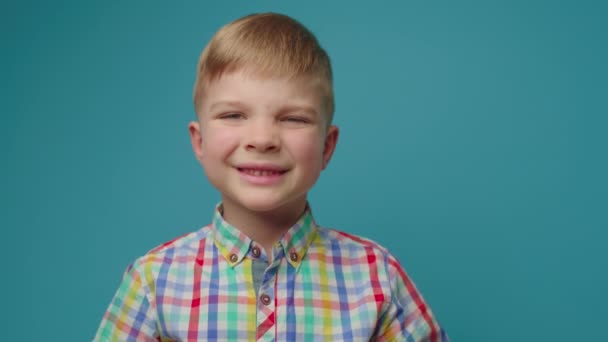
(263, 270)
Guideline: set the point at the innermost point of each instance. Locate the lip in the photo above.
(261, 173)
(261, 167)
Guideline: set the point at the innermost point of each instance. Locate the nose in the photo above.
(262, 136)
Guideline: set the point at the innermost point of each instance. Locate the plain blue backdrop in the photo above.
(473, 146)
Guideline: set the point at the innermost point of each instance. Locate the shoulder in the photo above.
(359, 247)
(183, 243)
(347, 241)
(182, 249)
(379, 259)
(363, 256)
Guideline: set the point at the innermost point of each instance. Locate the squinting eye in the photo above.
(231, 116)
(296, 119)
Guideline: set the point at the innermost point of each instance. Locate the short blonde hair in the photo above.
(266, 44)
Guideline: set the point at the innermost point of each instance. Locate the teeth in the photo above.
(254, 172)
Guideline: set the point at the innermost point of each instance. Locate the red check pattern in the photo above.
(321, 285)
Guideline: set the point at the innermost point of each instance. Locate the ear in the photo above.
(331, 139)
(196, 139)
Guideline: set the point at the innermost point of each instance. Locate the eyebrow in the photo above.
(226, 104)
(294, 108)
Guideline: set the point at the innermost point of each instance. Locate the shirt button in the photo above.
(265, 299)
(293, 256)
(233, 257)
(256, 252)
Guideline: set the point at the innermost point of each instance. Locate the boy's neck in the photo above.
(266, 227)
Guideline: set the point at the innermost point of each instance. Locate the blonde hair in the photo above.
(266, 44)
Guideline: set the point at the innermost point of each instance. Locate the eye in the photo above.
(232, 116)
(295, 119)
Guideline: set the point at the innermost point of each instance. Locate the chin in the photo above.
(261, 205)
(264, 203)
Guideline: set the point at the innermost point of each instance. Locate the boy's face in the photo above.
(262, 141)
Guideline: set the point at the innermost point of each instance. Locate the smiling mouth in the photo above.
(261, 172)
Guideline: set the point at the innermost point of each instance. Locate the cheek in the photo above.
(307, 148)
(218, 142)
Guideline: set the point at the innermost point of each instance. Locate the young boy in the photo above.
(263, 270)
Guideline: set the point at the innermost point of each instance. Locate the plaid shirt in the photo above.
(321, 285)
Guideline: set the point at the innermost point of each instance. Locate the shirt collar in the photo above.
(234, 245)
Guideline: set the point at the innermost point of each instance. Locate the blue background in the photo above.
(473, 146)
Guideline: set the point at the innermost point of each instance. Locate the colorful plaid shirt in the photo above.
(320, 285)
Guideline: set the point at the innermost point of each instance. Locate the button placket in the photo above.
(266, 299)
(265, 312)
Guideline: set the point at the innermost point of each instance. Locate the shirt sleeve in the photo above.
(130, 316)
(407, 317)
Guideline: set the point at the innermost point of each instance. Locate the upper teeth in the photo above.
(254, 172)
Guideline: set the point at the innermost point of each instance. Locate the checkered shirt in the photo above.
(321, 285)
